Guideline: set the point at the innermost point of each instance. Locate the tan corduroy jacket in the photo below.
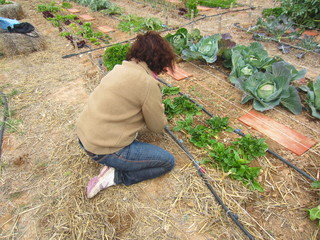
(127, 99)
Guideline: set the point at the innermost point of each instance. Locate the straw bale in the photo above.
(17, 44)
(13, 11)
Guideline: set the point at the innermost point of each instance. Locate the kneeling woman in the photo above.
(127, 99)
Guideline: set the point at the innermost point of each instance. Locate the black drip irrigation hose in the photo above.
(200, 171)
(5, 112)
(239, 132)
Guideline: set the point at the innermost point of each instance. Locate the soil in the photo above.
(44, 172)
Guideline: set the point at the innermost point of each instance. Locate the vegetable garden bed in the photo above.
(44, 173)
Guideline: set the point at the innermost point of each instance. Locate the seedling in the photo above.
(2, 2)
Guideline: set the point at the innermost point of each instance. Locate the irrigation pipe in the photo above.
(239, 132)
(5, 112)
(200, 171)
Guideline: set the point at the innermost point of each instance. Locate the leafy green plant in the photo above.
(112, 9)
(191, 6)
(178, 40)
(271, 88)
(302, 12)
(279, 27)
(276, 12)
(58, 19)
(250, 148)
(207, 49)
(170, 91)
(309, 43)
(180, 105)
(135, 23)
(97, 5)
(246, 60)
(115, 55)
(314, 213)
(51, 7)
(2, 2)
(217, 3)
(313, 96)
(66, 5)
(64, 34)
(88, 33)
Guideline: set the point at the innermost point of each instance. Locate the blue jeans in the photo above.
(137, 162)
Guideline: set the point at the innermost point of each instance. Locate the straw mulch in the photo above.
(12, 11)
(17, 43)
(44, 173)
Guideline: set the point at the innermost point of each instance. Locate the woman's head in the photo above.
(154, 50)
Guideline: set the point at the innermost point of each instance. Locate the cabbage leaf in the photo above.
(313, 97)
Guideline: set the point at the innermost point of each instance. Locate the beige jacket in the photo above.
(127, 99)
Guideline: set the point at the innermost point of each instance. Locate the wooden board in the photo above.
(86, 17)
(73, 10)
(178, 73)
(203, 8)
(106, 29)
(287, 137)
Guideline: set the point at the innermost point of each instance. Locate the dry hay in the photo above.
(13, 11)
(17, 43)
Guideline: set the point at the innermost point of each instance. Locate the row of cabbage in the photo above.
(267, 81)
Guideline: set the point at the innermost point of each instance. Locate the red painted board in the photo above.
(178, 73)
(73, 10)
(106, 29)
(287, 137)
(86, 17)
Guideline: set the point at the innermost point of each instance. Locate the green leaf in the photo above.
(314, 214)
(315, 184)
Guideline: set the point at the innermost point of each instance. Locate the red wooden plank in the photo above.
(105, 29)
(73, 10)
(86, 17)
(287, 137)
(178, 73)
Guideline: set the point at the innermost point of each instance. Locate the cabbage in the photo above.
(271, 88)
(265, 90)
(254, 56)
(207, 48)
(179, 40)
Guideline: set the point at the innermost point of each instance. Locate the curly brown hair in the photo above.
(154, 50)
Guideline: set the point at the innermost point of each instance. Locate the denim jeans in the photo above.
(137, 162)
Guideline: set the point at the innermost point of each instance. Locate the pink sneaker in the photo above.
(103, 180)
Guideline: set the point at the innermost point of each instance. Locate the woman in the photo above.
(127, 99)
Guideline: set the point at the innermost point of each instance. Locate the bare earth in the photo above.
(43, 172)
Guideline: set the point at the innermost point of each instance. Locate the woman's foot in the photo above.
(103, 180)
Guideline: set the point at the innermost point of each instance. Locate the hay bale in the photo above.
(12, 10)
(17, 43)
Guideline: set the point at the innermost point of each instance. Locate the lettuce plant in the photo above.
(313, 97)
(271, 88)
